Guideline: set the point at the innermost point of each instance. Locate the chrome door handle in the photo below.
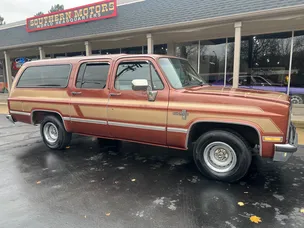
(76, 93)
(115, 94)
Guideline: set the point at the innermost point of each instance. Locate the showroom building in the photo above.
(257, 44)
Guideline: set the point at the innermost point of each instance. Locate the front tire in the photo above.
(222, 155)
(54, 134)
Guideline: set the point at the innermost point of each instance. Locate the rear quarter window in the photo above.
(45, 76)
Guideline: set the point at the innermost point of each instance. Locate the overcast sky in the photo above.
(17, 10)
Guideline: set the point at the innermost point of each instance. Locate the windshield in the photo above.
(180, 73)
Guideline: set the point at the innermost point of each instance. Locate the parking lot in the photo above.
(142, 186)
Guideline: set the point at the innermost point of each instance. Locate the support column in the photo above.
(8, 70)
(171, 48)
(88, 48)
(150, 43)
(237, 54)
(41, 53)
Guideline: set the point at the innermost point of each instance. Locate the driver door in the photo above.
(130, 115)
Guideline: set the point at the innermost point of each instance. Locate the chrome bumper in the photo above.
(282, 152)
(10, 118)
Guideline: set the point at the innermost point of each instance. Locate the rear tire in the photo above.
(54, 134)
(222, 155)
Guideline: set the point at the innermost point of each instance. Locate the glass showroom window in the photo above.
(296, 89)
(264, 62)
(160, 49)
(212, 60)
(72, 54)
(2, 78)
(96, 52)
(110, 51)
(132, 50)
(60, 55)
(230, 60)
(189, 51)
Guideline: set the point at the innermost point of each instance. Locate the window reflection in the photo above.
(132, 50)
(72, 54)
(160, 49)
(264, 62)
(110, 51)
(212, 60)
(188, 51)
(297, 73)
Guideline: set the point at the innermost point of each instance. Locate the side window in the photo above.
(128, 71)
(45, 76)
(93, 75)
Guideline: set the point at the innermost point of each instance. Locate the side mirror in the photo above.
(140, 84)
(143, 85)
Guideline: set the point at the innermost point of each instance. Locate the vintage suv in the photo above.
(157, 100)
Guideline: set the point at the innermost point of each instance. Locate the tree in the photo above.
(39, 13)
(2, 22)
(56, 8)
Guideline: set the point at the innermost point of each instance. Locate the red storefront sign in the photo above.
(92, 12)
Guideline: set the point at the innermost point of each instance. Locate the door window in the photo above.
(93, 75)
(128, 71)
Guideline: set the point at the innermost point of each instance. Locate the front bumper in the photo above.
(282, 152)
(10, 118)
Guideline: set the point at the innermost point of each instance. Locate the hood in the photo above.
(249, 93)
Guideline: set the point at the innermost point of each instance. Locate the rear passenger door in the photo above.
(89, 97)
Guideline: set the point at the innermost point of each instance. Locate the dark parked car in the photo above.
(261, 83)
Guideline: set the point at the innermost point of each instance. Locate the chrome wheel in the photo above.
(50, 132)
(220, 157)
(296, 99)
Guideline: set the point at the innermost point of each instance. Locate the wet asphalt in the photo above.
(142, 186)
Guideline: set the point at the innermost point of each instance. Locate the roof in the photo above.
(91, 57)
(144, 14)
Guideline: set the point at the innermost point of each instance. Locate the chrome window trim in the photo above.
(138, 126)
(260, 137)
(20, 113)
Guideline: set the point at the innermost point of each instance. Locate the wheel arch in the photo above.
(36, 118)
(220, 124)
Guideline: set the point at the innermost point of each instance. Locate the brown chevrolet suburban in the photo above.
(156, 100)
